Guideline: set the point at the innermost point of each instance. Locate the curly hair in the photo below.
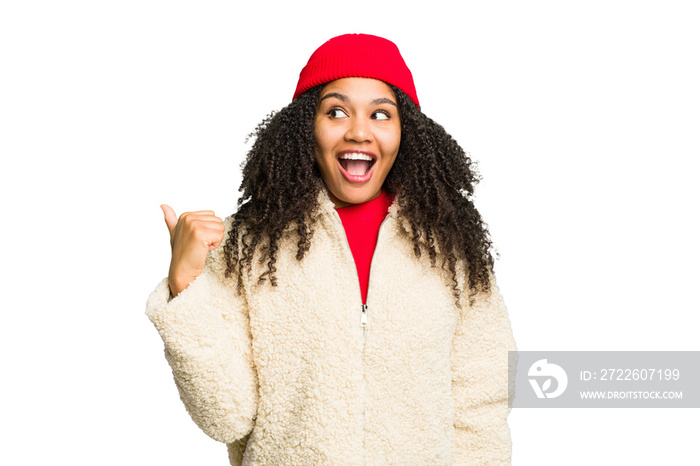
(433, 179)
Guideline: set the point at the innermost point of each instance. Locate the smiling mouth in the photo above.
(355, 163)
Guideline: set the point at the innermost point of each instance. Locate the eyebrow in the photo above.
(344, 98)
(383, 100)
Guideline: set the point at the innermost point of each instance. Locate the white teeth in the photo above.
(355, 156)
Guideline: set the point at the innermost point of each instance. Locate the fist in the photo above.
(192, 236)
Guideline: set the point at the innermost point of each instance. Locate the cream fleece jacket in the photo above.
(288, 375)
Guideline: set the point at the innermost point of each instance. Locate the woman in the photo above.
(281, 344)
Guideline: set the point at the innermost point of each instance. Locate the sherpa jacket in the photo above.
(303, 374)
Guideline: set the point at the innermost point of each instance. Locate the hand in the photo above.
(192, 236)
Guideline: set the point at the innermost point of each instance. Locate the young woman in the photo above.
(351, 315)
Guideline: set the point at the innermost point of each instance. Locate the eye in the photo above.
(381, 115)
(336, 113)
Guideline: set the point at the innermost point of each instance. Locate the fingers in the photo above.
(193, 218)
(201, 212)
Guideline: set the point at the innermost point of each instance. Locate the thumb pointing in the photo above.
(170, 217)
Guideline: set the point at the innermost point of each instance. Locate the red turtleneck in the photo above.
(361, 223)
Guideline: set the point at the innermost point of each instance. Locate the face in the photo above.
(358, 132)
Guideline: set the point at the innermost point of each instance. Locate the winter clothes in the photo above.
(357, 55)
(288, 375)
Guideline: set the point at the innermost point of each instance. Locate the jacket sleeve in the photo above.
(479, 362)
(207, 340)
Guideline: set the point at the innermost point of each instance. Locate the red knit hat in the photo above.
(357, 55)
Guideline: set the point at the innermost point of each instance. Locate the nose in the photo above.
(359, 130)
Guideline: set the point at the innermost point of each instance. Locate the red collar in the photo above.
(377, 207)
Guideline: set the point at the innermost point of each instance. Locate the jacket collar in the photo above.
(325, 205)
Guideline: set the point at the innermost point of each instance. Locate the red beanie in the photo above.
(357, 55)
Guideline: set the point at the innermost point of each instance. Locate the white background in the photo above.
(583, 116)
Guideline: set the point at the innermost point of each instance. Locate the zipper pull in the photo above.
(363, 320)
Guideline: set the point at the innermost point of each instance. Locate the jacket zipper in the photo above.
(363, 307)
